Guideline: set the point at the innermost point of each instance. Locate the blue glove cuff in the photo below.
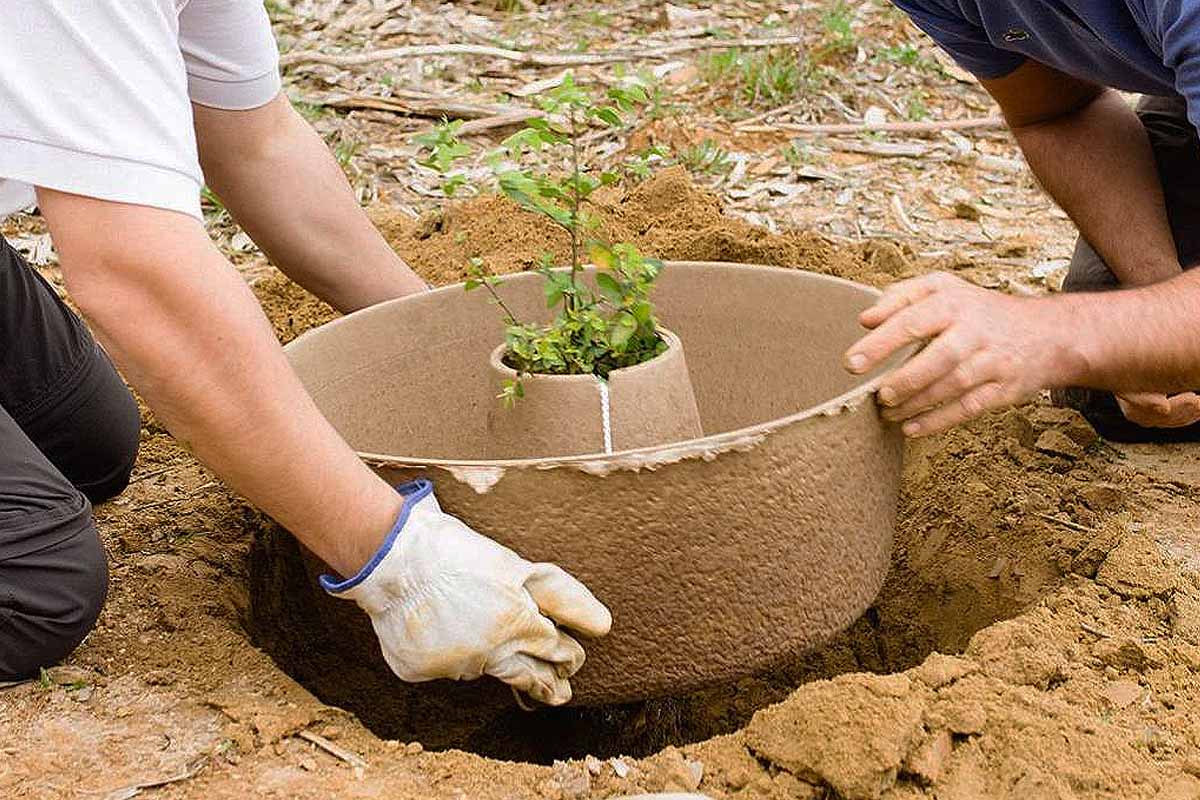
(413, 492)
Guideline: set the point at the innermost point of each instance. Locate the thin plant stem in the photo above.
(512, 318)
(574, 206)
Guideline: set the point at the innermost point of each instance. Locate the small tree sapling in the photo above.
(595, 330)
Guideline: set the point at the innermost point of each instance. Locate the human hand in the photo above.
(985, 351)
(447, 602)
(1154, 410)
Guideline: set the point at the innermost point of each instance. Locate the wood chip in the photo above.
(135, 789)
(335, 750)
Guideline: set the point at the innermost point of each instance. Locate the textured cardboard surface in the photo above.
(648, 404)
(758, 541)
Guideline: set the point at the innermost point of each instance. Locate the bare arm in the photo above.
(1090, 152)
(1138, 340)
(189, 335)
(988, 350)
(283, 186)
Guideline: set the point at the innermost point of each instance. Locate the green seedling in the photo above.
(705, 158)
(768, 78)
(839, 35)
(906, 55)
(595, 330)
(443, 149)
(914, 106)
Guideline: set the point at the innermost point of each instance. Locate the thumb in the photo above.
(567, 601)
(1154, 400)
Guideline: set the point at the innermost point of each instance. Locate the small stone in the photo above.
(619, 767)
(1123, 654)
(1018, 426)
(1048, 416)
(82, 694)
(1101, 496)
(928, 761)
(308, 764)
(413, 748)
(593, 764)
(331, 732)
(1056, 443)
(66, 675)
(1122, 693)
(1081, 432)
(391, 744)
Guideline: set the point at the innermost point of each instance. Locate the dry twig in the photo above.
(527, 58)
(337, 751)
(1095, 631)
(911, 128)
(432, 106)
(1066, 523)
(189, 496)
(133, 790)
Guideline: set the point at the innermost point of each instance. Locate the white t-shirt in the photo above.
(95, 95)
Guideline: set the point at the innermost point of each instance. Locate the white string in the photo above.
(605, 415)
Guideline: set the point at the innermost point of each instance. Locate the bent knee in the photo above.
(116, 455)
(92, 435)
(53, 584)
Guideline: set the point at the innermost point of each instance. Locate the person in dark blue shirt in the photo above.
(1128, 327)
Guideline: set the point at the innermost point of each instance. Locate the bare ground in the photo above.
(1063, 582)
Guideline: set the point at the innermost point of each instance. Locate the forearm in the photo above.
(283, 186)
(189, 335)
(1097, 164)
(1143, 339)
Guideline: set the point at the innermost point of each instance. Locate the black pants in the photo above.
(69, 432)
(1176, 148)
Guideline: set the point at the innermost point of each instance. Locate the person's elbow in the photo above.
(110, 252)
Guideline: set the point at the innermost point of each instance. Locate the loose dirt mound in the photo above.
(667, 216)
(1024, 545)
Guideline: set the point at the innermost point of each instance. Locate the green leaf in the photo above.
(471, 284)
(601, 255)
(608, 115)
(554, 293)
(609, 287)
(642, 312)
(623, 327)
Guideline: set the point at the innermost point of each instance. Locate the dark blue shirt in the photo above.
(1147, 46)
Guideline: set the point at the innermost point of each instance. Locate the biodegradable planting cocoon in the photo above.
(718, 554)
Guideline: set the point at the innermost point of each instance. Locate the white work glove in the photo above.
(446, 602)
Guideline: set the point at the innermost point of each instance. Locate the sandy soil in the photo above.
(1038, 637)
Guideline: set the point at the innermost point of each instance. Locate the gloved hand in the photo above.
(446, 602)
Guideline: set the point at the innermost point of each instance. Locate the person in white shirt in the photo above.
(113, 114)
